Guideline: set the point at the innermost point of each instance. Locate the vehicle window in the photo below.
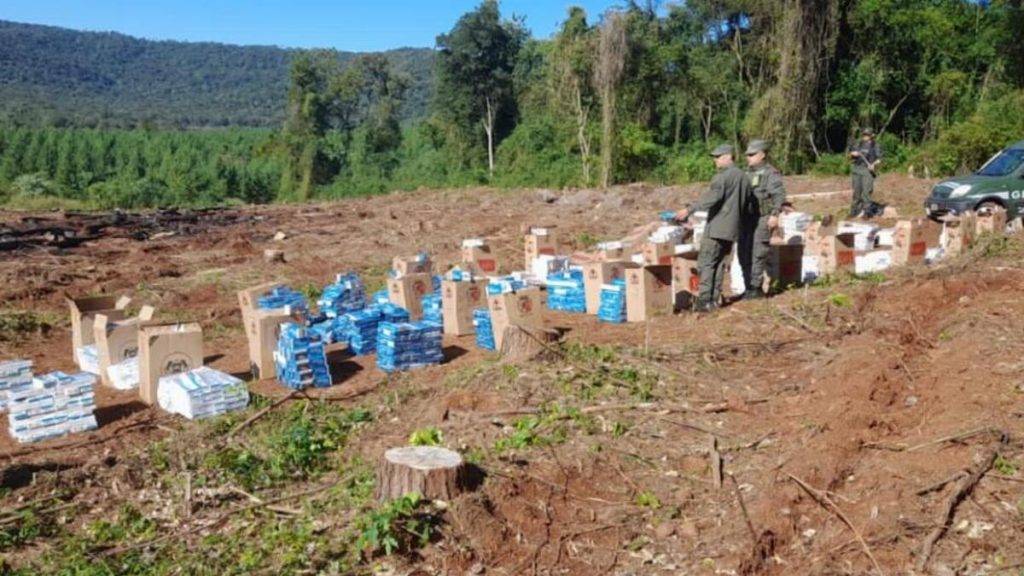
(1003, 164)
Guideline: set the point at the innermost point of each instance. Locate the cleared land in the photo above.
(842, 414)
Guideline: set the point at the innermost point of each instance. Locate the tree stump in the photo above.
(433, 473)
(524, 344)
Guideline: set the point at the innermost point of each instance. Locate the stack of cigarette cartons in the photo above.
(301, 359)
(433, 310)
(15, 376)
(613, 302)
(545, 265)
(484, 329)
(407, 346)
(55, 405)
(202, 393)
(346, 294)
(363, 326)
(566, 291)
(597, 275)
(262, 327)
(283, 298)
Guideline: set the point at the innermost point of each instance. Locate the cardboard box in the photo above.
(537, 245)
(83, 315)
(523, 308)
(596, 275)
(958, 233)
(117, 340)
(614, 253)
(658, 253)
(420, 264)
(835, 252)
(408, 291)
(991, 222)
(685, 281)
(166, 349)
(265, 326)
(261, 329)
(909, 242)
(648, 292)
(481, 257)
(458, 300)
(785, 265)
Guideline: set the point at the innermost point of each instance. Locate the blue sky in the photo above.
(356, 25)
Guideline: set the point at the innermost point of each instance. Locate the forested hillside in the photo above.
(638, 93)
(57, 76)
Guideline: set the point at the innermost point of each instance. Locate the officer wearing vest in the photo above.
(769, 197)
(866, 155)
(726, 201)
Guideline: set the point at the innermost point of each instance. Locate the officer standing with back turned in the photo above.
(725, 201)
(769, 198)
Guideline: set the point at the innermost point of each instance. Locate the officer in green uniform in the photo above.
(769, 197)
(866, 155)
(726, 201)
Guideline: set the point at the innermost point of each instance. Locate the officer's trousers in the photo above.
(754, 251)
(863, 188)
(711, 262)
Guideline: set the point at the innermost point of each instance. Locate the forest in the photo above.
(635, 94)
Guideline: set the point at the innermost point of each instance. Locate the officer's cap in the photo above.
(867, 132)
(756, 146)
(722, 150)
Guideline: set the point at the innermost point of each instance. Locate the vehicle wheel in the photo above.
(989, 205)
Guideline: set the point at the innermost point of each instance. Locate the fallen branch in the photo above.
(963, 489)
(716, 462)
(250, 420)
(743, 508)
(825, 502)
(940, 484)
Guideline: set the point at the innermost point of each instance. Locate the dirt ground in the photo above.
(845, 416)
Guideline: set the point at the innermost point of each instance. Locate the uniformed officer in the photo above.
(725, 201)
(769, 197)
(866, 156)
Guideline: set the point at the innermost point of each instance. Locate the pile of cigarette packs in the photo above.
(55, 405)
(15, 376)
(613, 302)
(346, 294)
(202, 393)
(432, 308)
(504, 285)
(283, 297)
(124, 375)
(484, 329)
(380, 297)
(301, 359)
(406, 346)
(566, 292)
(363, 325)
(88, 359)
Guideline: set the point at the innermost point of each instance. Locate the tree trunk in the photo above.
(582, 119)
(433, 473)
(489, 128)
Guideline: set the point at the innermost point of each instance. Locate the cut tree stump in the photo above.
(524, 344)
(433, 473)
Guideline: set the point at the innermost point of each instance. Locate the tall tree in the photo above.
(573, 67)
(475, 63)
(611, 63)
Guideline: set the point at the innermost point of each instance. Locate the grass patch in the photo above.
(16, 324)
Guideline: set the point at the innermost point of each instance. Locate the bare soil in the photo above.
(852, 401)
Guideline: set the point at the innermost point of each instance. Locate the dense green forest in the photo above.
(56, 76)
(637, 93)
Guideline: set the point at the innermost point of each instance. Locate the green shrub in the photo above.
(966, 145)
(691, 165)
